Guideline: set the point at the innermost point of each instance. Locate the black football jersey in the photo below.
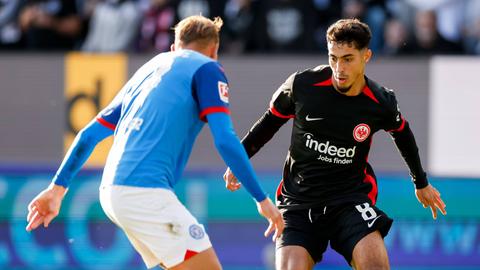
(327, 161)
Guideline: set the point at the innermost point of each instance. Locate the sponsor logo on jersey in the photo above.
(196, 232)
(329, 152)
(361, 132)
(223, 91)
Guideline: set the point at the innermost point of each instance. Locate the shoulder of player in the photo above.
(322, 70)
(314, 74)
(382, 94)
(210, 67)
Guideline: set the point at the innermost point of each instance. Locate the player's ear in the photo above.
(172, 47)
(367, 55)
(213, 50)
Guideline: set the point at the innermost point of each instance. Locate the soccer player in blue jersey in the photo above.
(155, 119)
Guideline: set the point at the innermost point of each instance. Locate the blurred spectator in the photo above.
(251, 26)
(87, 7)
(10, 34)
(449, 15)
(426, 38)
(402, 11)
(113, 26)
(193, 7)
(288, 27)
(50, 24)
(373, 13)
(326, 13)
(85, 11)
(396, 36)
(471, 29)
(208, 8)
(241, 17)
(156, 33)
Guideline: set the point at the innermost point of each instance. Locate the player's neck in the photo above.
(356, 88)
(207, 50)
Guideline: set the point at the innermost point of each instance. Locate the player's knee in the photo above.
(375, 263)
(372, 266)
(292, 265)
(293, 258)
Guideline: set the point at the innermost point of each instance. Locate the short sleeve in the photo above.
(394, 121)
(210, 87)
(282, 104)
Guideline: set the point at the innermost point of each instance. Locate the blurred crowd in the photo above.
(399, 27)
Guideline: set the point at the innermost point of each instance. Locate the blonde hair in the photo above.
(198, 29)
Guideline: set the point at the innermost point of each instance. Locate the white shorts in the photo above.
(157, 224)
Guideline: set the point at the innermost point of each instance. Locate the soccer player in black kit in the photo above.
(329, 190)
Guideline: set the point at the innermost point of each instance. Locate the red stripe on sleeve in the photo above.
(401, 126)
(105, 123)
(210, 110)
(278, 114)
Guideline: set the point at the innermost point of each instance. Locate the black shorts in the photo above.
(343, 225)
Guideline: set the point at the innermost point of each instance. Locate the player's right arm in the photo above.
(46, 205)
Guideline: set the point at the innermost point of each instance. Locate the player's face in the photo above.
(348, 66)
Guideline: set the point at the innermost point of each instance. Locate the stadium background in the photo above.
(44, 97)
(48, 93)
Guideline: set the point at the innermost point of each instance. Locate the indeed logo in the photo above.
(326, 148)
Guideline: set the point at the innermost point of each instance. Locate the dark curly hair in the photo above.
(350, 31)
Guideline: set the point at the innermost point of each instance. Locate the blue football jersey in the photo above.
(157, 116)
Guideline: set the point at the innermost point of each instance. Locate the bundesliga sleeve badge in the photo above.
(223, 91)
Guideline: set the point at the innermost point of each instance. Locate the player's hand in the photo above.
(430, 197)
(231, 182)
(267, 209)
(45, 207)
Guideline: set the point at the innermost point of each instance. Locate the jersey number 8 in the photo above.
(367, 212)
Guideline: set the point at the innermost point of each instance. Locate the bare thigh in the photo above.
(293, 257)
(205, 260)
(370, 253)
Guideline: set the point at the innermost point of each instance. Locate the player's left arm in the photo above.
(426, 194)
(99, 128)
(402, 134)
